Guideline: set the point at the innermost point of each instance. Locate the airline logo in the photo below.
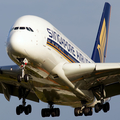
(100, 47)
(102, 40)
(65, 48)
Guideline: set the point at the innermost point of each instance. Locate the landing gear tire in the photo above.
(45, 112)
(88, 111)
(91, 112)
(55, 112)
(19, 109)
(28, 109)
(23, 93)
(106, 107)
(26, 78)
(98, 107)
(78, 112)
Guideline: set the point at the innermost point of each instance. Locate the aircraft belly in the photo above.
(60, 97)
(48, 90)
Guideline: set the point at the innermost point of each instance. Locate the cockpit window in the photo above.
(16, 28)
(31, 29)
(22, 28)
(11, 29)
(27, 28)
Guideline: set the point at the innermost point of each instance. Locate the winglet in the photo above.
(100, 48)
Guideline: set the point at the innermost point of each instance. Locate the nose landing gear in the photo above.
(23, 75)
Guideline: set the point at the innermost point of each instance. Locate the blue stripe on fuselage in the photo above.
(61, 50)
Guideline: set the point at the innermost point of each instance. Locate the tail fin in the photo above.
(100, 48)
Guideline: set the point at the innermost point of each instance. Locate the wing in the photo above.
(88, 76)
(10, 86)
(38, 87)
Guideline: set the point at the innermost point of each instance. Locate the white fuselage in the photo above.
(45, 37)
(42, 45)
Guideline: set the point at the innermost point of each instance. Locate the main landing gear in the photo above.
(101, 106)
(54, 112)
(27, 109)
(22, 108)
(105, 107)
(87, 111)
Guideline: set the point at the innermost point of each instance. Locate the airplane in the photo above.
(50, 68)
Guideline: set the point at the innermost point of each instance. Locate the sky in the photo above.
(76, 19)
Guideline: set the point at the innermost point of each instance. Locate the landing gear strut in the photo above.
(54, 112)
(23, 75)
(22, 108)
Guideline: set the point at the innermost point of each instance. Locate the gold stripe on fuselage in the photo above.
(58, 50)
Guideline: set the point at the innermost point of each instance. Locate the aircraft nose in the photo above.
(16, 43)
(19, 44)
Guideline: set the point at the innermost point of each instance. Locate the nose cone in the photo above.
(19, 45)
(16, 44)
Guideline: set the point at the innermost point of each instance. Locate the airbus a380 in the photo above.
(52, 69)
